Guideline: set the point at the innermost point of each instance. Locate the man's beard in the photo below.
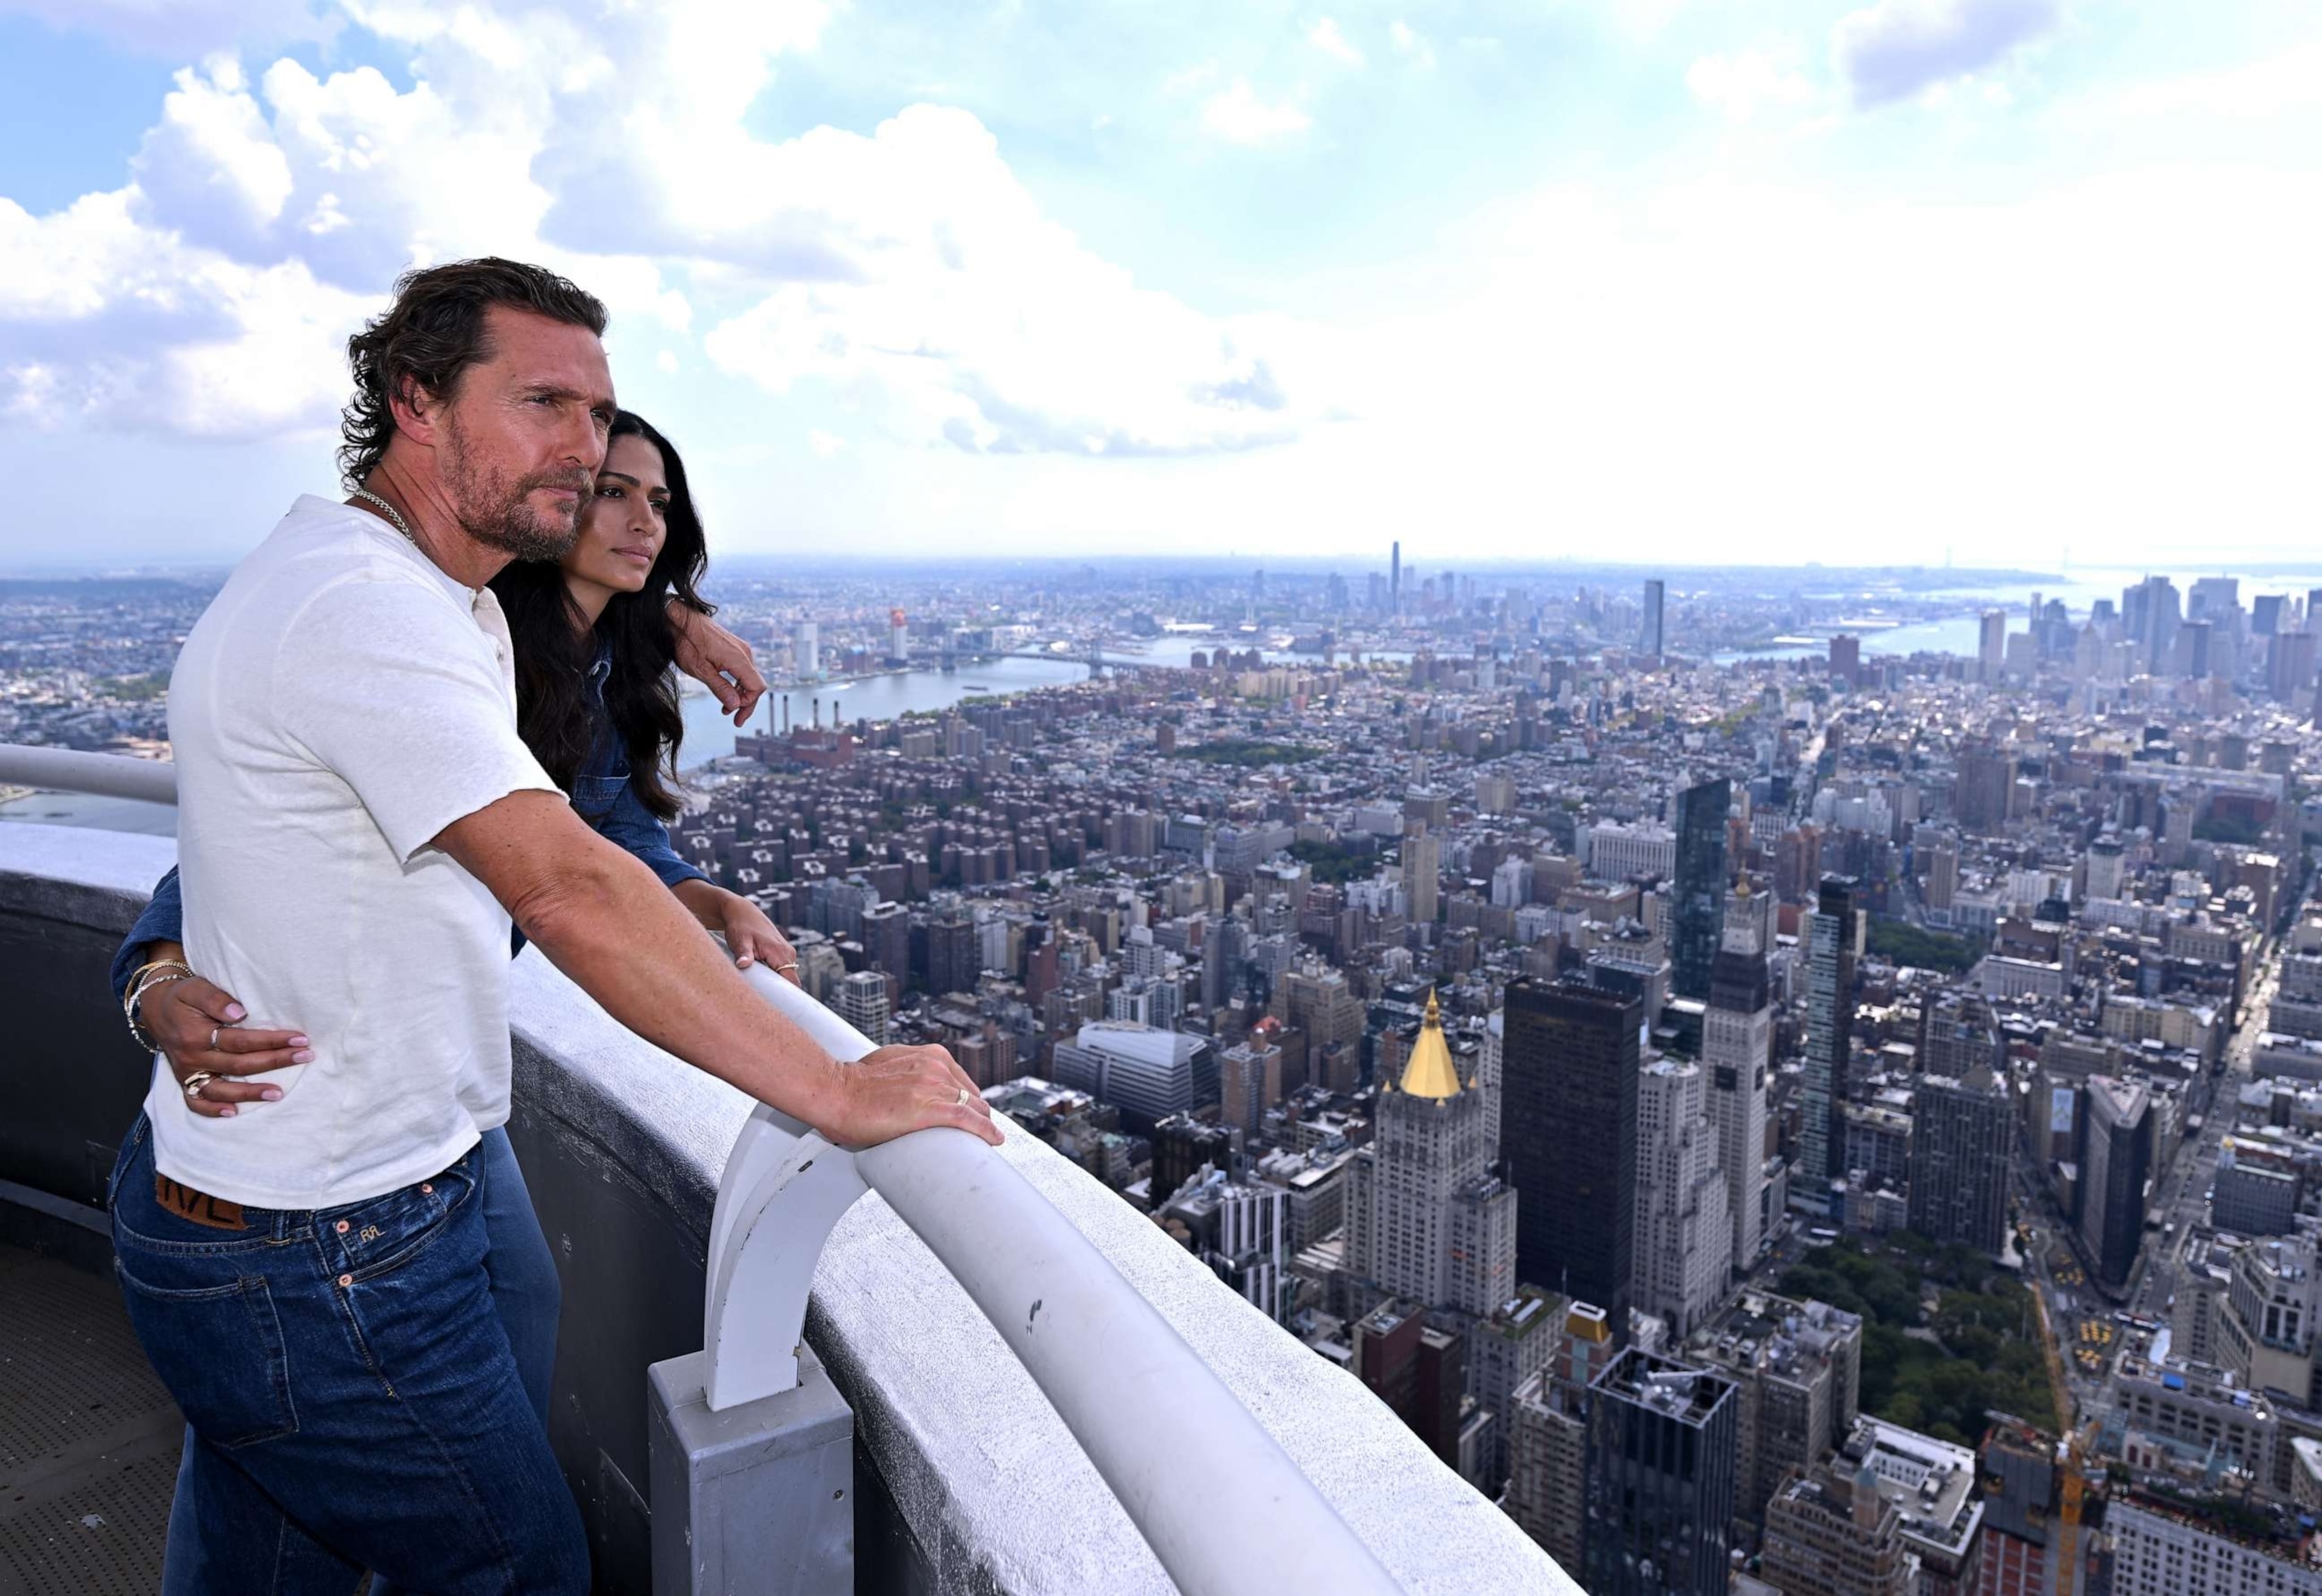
(499, 514)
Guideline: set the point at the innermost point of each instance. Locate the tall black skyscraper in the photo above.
(1663, 1440)
(1394, 580)
(1569, 1057)
(1652, 638)
(1833, 938)
(1700, 885)
(2115, 1146)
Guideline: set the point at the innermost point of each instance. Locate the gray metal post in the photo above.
(756, 1501)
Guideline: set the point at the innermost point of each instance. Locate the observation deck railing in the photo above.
(1223, 1507)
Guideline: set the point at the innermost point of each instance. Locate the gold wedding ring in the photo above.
(196, 1080)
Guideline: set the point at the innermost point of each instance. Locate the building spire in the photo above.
(1429, 1072)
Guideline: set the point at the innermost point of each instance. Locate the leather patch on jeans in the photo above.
(198, 1208)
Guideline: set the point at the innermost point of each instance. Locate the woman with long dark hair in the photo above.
(596, 702)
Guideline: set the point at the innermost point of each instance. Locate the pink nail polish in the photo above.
(299, 1042)
(303, 1056)
(235, 1011)
(272, 1094)
(225, 1113)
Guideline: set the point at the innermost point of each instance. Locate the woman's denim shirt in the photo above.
(602, 795)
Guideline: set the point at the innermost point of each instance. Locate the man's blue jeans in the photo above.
(355, 1400)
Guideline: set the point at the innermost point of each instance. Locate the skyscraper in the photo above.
(1684, 1233)
(862, 1004)
(1570, 1056)
(1993, 654)
(806, 649)
(1961, 1136)
(1651, 642)
(1422, 873)
(1426, 1221)
(2116, 1127)
(1700, 886)
(1249, 1077)
(1737, 1044)
(1834, 935)
(1846, 659)
(1660, 1480)
(1394, 580)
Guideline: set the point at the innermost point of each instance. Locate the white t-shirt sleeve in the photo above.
(400, 696)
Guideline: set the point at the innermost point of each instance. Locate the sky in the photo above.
(2024, 282)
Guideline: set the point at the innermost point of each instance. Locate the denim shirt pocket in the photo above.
(593, 796)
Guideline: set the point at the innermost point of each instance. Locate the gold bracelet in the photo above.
(142, 977)
(160, 973)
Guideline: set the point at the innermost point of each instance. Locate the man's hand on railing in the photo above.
(895, 1090)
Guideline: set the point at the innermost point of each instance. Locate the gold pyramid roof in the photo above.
(1430, 1073)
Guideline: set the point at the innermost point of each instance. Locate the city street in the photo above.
(2180, 1193)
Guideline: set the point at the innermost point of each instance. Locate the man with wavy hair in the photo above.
(358, 823)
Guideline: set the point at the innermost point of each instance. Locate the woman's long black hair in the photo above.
(553, 653)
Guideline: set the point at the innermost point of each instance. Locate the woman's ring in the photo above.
(963, 1097)
(214, 1034)
(196, 1080)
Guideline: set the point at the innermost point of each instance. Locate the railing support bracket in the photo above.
(755, 1499)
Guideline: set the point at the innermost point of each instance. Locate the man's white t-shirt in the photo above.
(338, 704)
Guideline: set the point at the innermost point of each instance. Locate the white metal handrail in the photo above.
(105, 775)
(1223, 1507)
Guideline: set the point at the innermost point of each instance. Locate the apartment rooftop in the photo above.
(1667, 1387)
(1930, 1483)
(1785, 1337)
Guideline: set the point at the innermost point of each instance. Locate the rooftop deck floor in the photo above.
(88, 1440)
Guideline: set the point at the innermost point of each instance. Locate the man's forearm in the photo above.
(625, 940)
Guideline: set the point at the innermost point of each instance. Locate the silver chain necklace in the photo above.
(391, 513)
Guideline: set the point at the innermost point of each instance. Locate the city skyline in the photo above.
(1972, 279)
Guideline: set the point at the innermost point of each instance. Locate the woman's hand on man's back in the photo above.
(199, 1026)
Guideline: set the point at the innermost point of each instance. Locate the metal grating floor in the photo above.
(88, 1440)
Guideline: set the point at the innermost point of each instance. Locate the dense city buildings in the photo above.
(1568, 999)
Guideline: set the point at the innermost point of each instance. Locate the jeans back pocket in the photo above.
(220, 1351)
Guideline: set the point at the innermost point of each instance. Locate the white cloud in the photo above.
(1743, 85)
(1749, 372)
(1326, 37)
(1894, 48)
(1239, 118)
(1411, 45)
(2289, 80)
(106, 321)
(212, 295)
(984, 324)
(825, 444)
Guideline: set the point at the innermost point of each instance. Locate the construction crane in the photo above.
(2071, 1451)
(2072, 1456)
